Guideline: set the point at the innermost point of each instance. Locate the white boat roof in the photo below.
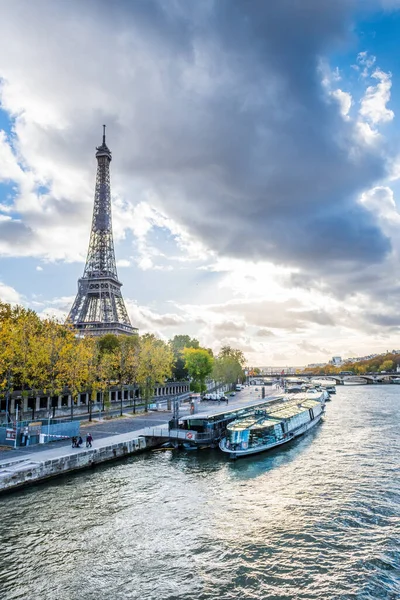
(237, 407)
(274, 415)
(229, 409)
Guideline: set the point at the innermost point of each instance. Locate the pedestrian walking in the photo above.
(89, 440)
(74, 442)
(79, 442)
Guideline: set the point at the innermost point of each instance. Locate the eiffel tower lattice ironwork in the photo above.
(99, 307)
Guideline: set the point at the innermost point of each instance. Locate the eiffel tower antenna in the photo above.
(99, 307)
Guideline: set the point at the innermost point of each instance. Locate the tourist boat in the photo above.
(323, 394)
(272, 426)
(396, 380)
(327, 391)
(294, 389)
(331, 389)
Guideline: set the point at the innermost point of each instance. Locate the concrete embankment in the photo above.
(44, 465)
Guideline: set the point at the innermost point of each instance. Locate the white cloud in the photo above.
(9, 294)
(10, 169)
(373, 104)
(123, 263)
(366, 61)
(345, 101)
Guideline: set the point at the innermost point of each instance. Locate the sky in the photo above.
(255, 173)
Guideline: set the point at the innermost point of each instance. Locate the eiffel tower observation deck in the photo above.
(99, 307)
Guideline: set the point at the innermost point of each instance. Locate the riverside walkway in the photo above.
(22, 467)
(113, 439)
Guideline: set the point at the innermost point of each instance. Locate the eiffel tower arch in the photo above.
(99, 307)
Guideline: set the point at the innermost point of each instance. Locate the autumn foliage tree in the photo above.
(155, 360)
(42, 356)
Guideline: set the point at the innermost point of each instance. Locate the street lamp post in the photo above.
(16, 422)
(48, 427)
(90, 405)
(8, 397)
(147, 394)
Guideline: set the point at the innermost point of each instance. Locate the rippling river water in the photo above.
(316, 519)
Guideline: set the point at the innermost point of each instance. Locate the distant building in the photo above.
(336, 361)
(280, 370)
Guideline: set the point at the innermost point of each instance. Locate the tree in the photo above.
(127, 363)
(236, 354)
(155, 364)
(46, 349)
(74, 365)
(7, 362)
(199, 364)
(26, 327)
(92, 358)
(106, 373)
(108, 343)
(228, 367)
(387, 365)
(177, 345)
(227, 370)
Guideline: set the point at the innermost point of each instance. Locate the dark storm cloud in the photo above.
(254, 160)
(265, 333)
(218, 108)
(15, 233)
(391, 321)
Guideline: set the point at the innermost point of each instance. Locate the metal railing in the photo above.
(179, 434)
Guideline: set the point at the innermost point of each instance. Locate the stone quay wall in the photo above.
(18, 474)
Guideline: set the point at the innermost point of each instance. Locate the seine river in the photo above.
(317, 519)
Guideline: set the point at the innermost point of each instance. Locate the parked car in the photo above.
(215, 397)
(232, 394)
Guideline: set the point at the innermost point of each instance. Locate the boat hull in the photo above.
(258, 449)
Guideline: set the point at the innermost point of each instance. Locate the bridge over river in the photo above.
(370, 378)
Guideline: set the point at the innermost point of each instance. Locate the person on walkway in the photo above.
(74, 441)
(89, 440)
(79, 442)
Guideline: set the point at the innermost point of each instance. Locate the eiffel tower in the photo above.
(99, 307)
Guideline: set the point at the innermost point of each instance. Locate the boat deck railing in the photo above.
(179, 434)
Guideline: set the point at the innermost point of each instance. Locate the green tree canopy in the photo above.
(227, 351)
(228, 366)
(177, 345)
(199, 363)
(108, 343)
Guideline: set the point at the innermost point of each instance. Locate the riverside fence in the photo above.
(28, 433)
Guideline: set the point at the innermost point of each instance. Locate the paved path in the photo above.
(101, 431)
(17, 463)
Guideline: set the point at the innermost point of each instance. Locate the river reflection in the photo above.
(316, 519)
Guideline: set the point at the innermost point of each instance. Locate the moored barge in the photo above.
(272, 426)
